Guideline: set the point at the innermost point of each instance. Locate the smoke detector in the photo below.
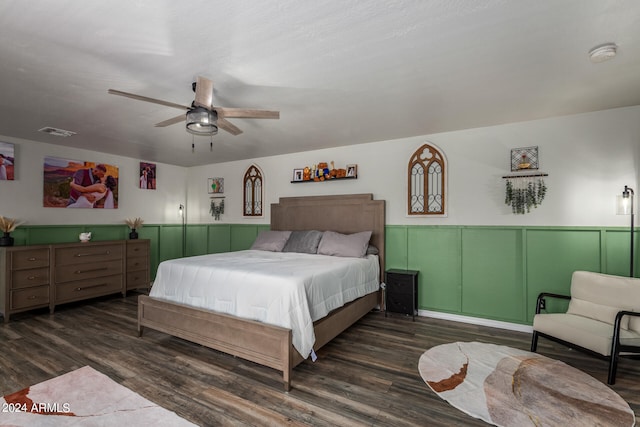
(56, 131)
(603, 52)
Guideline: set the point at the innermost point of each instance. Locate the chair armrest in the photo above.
(620, 315)
(541, 298)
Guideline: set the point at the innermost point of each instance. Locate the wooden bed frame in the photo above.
(265, 344)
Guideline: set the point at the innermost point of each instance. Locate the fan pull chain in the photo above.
(193, 144)
(211, 145)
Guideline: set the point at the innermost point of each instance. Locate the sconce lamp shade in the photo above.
(201, 121)
(624, 202)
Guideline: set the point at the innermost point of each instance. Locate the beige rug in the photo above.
(83, 397)
(510, 387)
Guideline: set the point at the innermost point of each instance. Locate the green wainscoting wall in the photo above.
(492, 272)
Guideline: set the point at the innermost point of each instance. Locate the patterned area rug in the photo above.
(83, 397)
(510, 387)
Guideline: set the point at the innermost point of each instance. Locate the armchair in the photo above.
(603, 317)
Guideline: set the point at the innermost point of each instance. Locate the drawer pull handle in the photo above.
(32, 258)
(32, 297)
(91, 269)
(32, 277)
(78, 289)
(78, 255)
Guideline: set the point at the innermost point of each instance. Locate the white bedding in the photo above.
(291, 290)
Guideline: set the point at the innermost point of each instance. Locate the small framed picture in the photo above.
(298, 174)
(352, 171)
(215, 185)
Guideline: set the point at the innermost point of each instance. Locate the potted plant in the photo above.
(134, 224)
(7, 225)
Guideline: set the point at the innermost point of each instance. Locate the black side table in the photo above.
(401, 294)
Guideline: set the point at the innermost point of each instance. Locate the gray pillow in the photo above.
(345, 245)
(304, 242)
(272, 241)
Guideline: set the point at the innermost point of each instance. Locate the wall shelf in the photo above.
(326, 180)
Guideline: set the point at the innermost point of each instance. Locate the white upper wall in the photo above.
(589, 159)
(22, 197)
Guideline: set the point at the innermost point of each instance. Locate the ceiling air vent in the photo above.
(56, 131)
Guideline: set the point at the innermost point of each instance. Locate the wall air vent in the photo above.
(56, 132)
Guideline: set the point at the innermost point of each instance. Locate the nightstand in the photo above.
(401, 294)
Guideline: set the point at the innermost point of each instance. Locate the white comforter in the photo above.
(290, 290)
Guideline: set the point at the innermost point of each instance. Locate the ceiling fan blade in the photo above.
(228, 126)
(204, 92)
(246, 113)
(147, 99)
(172, 121)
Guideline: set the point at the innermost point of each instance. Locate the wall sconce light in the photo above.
(624, 206)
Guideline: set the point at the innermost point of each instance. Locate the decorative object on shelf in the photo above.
(215, 185)
(7, 225)
(217, 207)
(625, 207)
(298, 174)
(85, 237)
(524, 158)
(134, 224)
(322, 172)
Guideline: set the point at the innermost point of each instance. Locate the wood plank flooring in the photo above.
(366, 377)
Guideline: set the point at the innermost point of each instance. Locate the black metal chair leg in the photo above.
(534, 341)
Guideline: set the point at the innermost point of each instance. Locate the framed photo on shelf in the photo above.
(298, 174)
(352, 171)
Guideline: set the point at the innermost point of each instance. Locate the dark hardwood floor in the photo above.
(367, 376)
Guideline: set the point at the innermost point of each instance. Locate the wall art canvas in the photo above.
(148, 176)
(7, 162)
(79, 184)
(215, 185)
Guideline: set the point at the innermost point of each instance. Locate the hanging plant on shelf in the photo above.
(522, 193)
(216, 209)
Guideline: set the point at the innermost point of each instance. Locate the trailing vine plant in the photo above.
(216, 209)
(523, 193)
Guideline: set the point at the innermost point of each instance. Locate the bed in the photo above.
(263, 343)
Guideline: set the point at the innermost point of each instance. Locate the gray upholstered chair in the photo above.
(603, 317)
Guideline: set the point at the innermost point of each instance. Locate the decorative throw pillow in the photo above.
(304, 242)
(272, 241)
(344, 245)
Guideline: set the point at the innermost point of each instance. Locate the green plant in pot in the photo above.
(134, 224)
(7, 225)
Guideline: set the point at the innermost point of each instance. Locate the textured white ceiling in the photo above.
(340, 72)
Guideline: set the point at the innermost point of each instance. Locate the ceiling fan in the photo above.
(202, 117)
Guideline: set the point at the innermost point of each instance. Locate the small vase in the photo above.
(134, 234)
(6, 239)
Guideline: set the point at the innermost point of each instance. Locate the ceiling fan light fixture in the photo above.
(201, 121)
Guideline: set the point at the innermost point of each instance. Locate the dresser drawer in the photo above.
(400, 284)
(30, 258)
(29, 278)
(139, 248)
(87, 254)
(30, 297)
(137, 279)
(89, 270)
(78, 290)
(137, 263)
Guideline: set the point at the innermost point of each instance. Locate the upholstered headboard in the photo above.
(348, 213)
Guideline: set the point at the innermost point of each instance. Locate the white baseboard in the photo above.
(476, 321)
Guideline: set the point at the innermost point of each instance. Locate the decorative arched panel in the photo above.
(427, 179)
(253, 184)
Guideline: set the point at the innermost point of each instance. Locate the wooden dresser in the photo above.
(48, 275)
